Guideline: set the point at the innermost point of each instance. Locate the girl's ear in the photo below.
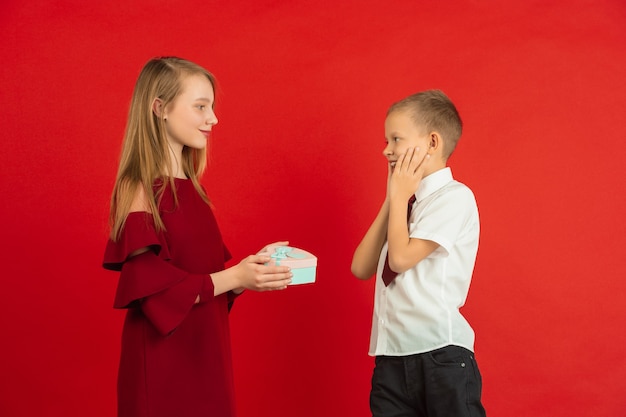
(157, 107)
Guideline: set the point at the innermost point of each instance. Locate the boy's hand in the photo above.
(389, 172)
(407, 174)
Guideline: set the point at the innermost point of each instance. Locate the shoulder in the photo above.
(454, 191)
(459, 189)
(452, 200)
(140, 201)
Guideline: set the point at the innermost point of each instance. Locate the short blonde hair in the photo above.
(432, 110)
(145, 155)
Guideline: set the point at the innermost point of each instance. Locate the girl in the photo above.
(175, 356)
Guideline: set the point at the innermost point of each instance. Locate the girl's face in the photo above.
(401, 133)
(190, 117)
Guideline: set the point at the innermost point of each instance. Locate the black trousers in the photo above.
(443, 383)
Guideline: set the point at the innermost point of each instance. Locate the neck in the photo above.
(435, 165)
(176, 158)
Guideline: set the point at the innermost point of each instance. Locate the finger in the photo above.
(276, 281)
(280, 277)
(259, 259)
(282, 243)
(409, 159)
(423, 162)
(402, 160)
(414, 161)
(281, 285)
(411, 164)
(273, 269)
(271, 273)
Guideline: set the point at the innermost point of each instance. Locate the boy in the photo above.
(424, 363)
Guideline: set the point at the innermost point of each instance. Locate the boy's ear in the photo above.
(157, 107)
(434, 142)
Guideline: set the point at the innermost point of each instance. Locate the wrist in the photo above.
(208, 288)
(399, 201)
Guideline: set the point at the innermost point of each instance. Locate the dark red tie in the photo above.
(388, 274)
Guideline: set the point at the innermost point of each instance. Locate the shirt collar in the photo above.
(433, 182)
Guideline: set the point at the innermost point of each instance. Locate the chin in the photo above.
(198, 145)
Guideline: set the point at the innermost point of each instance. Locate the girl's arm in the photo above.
(252, 274)
(167, 297)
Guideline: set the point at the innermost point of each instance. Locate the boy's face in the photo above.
(401, 133)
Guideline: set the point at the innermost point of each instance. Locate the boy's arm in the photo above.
(404, 251)
(365, 259)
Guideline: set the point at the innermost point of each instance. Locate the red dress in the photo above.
(175, 357)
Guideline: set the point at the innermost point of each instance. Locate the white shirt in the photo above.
(419, 311)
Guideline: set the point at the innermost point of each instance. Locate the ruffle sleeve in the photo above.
(149, 281)
(167, 297)
(138, 232)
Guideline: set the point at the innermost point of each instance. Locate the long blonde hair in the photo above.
(145, 155)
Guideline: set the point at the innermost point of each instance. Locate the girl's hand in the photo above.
(265, 250)
(407, 174)
(254, 275)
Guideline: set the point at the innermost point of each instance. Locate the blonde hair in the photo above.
(145, 155)
(432, 110)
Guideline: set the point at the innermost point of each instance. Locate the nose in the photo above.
(211, 119)
(387, 151)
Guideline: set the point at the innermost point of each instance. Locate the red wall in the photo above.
(304, 88)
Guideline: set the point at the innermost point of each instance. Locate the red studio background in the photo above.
(304, 87)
